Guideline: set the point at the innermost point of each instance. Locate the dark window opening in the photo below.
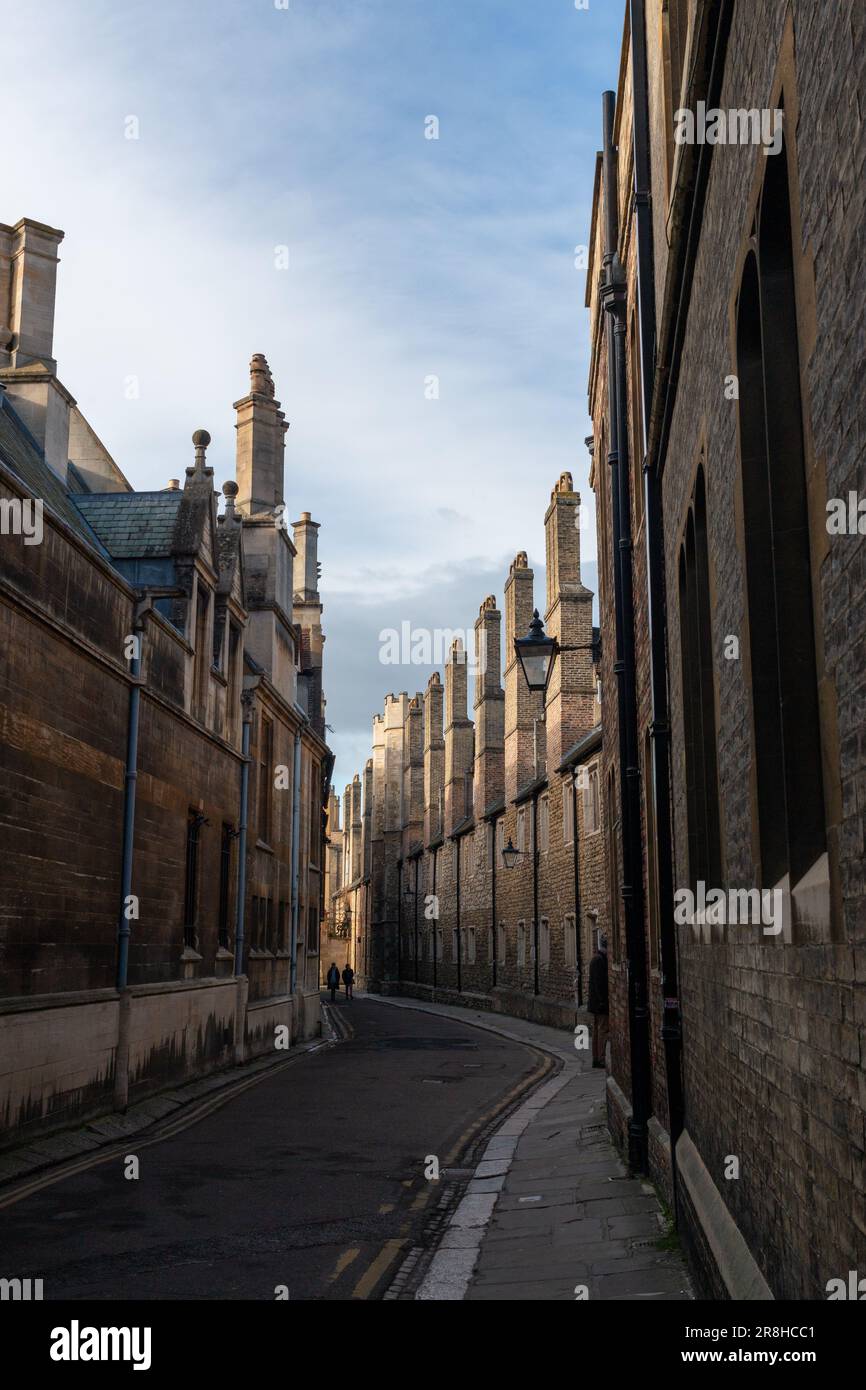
(225, 884)
(190, 898)
(702, 782)
(787, 734)
(266, 762)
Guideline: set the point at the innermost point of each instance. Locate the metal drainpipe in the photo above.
(296, 815)
(129, 788)
(578, 955)
(459, 971)
(328, 772)
(660, 728)
(613, 294)
(435, 921)
(247, 719)
(399, 916)
(416, 921)
(493, 901)
(535, 886)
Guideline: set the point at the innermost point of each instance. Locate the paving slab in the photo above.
(583, 1230)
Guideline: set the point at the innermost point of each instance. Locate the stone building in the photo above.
(347, 878)
(728, 415)
(436, 911)
(163, 770)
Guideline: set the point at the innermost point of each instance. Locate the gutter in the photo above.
(660, 733)
(613, 293)
(296, 815)
(243, 820)
(142, 609)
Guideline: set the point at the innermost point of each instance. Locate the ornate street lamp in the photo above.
(537, 653)
(510, 855)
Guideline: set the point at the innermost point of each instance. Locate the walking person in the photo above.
(333, 981)
(348, 979)
(597, 1002)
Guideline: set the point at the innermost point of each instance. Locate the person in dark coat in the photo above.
(348, 979)
(597, 1002)
(333, 981)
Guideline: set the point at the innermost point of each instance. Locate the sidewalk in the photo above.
(551, 1212)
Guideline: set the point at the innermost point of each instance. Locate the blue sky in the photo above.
(262, 127)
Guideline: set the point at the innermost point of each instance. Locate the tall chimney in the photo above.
(524, 710)
(434, 760)
(413, 774)
(489, 706)
(28, 283)
(570, 695)
(261, 428)
(459, 739)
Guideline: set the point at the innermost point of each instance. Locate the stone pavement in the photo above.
(551, 1212)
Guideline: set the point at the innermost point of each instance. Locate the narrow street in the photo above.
(312, 1179)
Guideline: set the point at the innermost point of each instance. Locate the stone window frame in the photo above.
(544, 943)
(569, 945)
(543, 814)
(567, 811)
(592, 799)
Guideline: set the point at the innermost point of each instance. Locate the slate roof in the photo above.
(588, 743)
(132, 525)
(21, 453)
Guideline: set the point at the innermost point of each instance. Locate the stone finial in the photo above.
(230, 492)
(435, 679)
(488, 604)
(261, 381)
(201, 439)
(520, 561)
(565, 484)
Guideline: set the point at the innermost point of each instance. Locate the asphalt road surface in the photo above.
(313, 1179)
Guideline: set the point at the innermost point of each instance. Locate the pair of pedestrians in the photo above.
(333, 980)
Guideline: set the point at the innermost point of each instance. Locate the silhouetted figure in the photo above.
(348, 980)
(333, 981)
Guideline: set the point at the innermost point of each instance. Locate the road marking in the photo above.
(344, 1261)
(190, 1115)
(386, 1257)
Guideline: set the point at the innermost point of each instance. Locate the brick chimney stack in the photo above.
(523, 735)
(489, 708)
(356, 827)
(568, 617)
(413, 774)
(434, 760)
(459, 739)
